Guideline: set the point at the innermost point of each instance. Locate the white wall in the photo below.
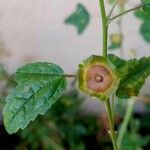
(34, 29)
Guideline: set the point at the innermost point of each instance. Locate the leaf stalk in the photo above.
(125, 12)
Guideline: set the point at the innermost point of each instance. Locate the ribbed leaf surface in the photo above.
(40, 85)
(133, 74)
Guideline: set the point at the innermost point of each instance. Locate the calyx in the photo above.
(98, 77)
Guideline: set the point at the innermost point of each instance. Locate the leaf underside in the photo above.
(39, 87)
(133, 74)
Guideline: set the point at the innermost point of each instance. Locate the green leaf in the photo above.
(142, 15)
(40, 85)
(133, 74)
(146, 6)
(145, 30)
(80, 18)
(145, 27)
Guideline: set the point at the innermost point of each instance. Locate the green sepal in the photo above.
(85, 66)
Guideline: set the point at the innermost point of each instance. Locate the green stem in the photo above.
(111, 1)
(112, 9)
(104, 26)
(125, 12)
(110, 119)
(107, 102)
(113, 107)
(126, 120)
(121, 32)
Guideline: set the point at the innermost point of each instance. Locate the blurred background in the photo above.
(66, 32)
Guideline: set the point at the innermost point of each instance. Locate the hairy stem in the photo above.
(125, 12)
(125, 122)
(111, 124)
(104, 26)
